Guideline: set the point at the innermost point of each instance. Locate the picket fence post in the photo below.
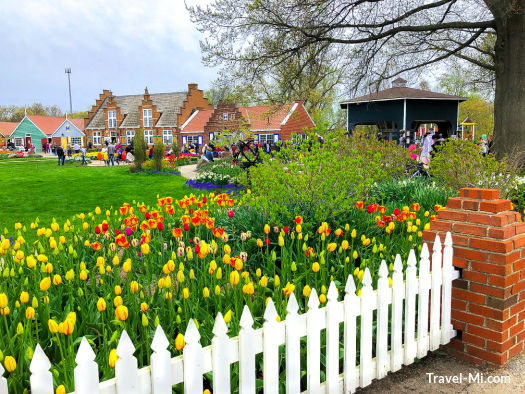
(367, 308)
(192, 360)
(446, 295)
(352, 309)
(313, 347)
(293, 347)
(220, 356)
(160, 362)
(126, 367)
(246, 353)
(3, 381)
(41, 378)
(383, 299)
(270, 350)
(435, 296)
(410, 308)
(333, 313)
(398, 289)
(86, 371)
(422, 314)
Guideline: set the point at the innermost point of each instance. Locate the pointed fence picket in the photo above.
(406, 300)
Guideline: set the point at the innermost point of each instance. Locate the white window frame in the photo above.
(97, 139)
(130, 134)
(112, 119)
(147, 117)
(148, 137)
(263, 138)
(19, 141)
(193, 139)
(76, 140)
(167, 137)
(113, 134)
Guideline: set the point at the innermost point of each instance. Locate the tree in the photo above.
(376, 40)
(480, 112)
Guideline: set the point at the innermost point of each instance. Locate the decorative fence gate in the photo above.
(425, 297)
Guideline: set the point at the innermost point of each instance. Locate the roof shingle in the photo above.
(6, 128)
(403, 93)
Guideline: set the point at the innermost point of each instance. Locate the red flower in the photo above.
(160, 226)
(204, 200)
(177, 232)
(381, 224)
(359, 204)
(231, 213)
(267, 240)
(286, 230)
(197, 248)
(147, 215)
(97, 230)
(396, 211)
(105, 227)
(186, 227)
(298, 220)
(371, 208)
(415, 207)
(382, 209)
(190, 211)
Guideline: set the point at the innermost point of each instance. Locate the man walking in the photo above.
(83, 151)
(60, 154)
(111, 153)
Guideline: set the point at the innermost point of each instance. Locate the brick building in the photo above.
(268, 123)
(159, 115)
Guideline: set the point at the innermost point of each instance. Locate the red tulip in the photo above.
(231, 213)
(186, 227)
(97, 230)
(147, 215)
(396, 211)
(160, 226)
(105, 227)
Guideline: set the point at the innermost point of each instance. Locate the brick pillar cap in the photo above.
(479, 194)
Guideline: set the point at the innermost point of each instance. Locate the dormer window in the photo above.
(112, 119)
(147, 117)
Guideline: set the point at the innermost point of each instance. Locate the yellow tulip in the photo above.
(332, 246)
(217, 290)
(143, 307)
(234, 278)
(30, 313)
(186, 293)
(179, 342)
(10, 364)
(61, 389)
(101, 304)
(112, 358)
(53, 326)
(117, 301)
(144, 248)
(264, 281)
(83, 275)
(3, 300)
(118, 290)
(121, 313)
(126, 267)
(276, 280)
(45, 283)
(134, 286)
(228, 316)
(180, 276)
(316, 267)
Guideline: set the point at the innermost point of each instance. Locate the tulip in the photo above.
(134, 286)
(10, 364)
(117, 301)
(217, 290)
(61, 389)
(186, 293)
(3, 300)
(112, 360)
(316, 267)
(30, 313)
(322, 298)
(53, 326)
(306, 291)
(83, 275)
(234, 278)
(281, 241)
(121, 313)
(101, 304)
(264, 281)
(228, 316)
(118, 290)
(276, 280)
(45, 283)
(205, 292)
(288, 289)
(179, 342)
(144, 307)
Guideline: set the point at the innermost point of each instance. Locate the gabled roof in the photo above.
(265, 117)
(168, 104)
(46, 124)
(64, 128)
(6, 128)
(400, 93)
(196, 121)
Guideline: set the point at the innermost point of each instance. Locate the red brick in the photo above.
(501, 326)
(499, 258)
(521, 336)
(521, 316)
(518, 287)
(491, 268)
(519, 265)
(456, 344)
(519, 241)
(448, 214)
(458, 240)
(472, 229)
(470, 254)
(489, 194)
(517, 308)
(470, 192)
(459, 305)
(516, 349)
(466, 295)
(495, 291)
(466, 357)
(429, 235)
(475, 276)
(504, 281)
(500, 220)
(497, 358)
(469, 317)
(520, 228)
(502, 233)
(454, 203)
(517, 216)
(494, 206)
(500, 347)
(470, 205)
(473, 339)
(514, 330)
(458, 325)
(441, 225)
(479, 218)
(493, 246)
(487, 312)
(461, 263)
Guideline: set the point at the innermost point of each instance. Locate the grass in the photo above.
(43, 189)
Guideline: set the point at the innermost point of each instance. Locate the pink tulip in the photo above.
(231, 213)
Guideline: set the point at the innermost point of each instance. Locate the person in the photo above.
(209, 152)
(489, 143)
(60, 154)
(76, 148)
(69, 151)
(151, 152)
(83, 151)
(111, 154)
(427, 147)
(90, 145)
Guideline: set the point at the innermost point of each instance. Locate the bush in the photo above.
(322, 180)
(139, 148)
(158, 155)
(175, 149)
(460, 163)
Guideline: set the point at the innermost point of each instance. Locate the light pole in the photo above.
(68, 72)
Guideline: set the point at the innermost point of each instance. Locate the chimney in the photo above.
(192, 86)
(399, 83)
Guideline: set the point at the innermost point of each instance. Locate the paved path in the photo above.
(189, 171)
(414, 378)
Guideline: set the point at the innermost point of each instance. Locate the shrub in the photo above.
(139, 148)
(175, 149)
(158, 155)
(322, 180)
(460, 163)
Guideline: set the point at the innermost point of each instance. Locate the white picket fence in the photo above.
(433, 329)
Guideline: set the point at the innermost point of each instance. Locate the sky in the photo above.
(121, 45)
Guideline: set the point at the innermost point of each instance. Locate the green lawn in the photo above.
(42, 189)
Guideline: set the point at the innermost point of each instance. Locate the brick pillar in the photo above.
(488, 301)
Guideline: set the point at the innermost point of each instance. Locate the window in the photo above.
(193, 139)
(112, 119)
(265, 138)
(297, 138)
(96, 138)
(147, 118)
(76, 140)
(167, 137)
(129, 136)
(231, 116)
(19, 142)
(113, 135)
(148, 137)
(224, 116)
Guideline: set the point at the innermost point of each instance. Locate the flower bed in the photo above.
(184, 159)
(138, 266)
(195, 184)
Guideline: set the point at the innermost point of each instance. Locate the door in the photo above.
(28, 141)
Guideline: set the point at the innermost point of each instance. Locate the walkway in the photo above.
(189, 171)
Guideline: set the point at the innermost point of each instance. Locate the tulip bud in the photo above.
(20, 329)
(144, 320)
(29, 353)
(80, 292)
(157, 321)
(178, 320)
(293, 266)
